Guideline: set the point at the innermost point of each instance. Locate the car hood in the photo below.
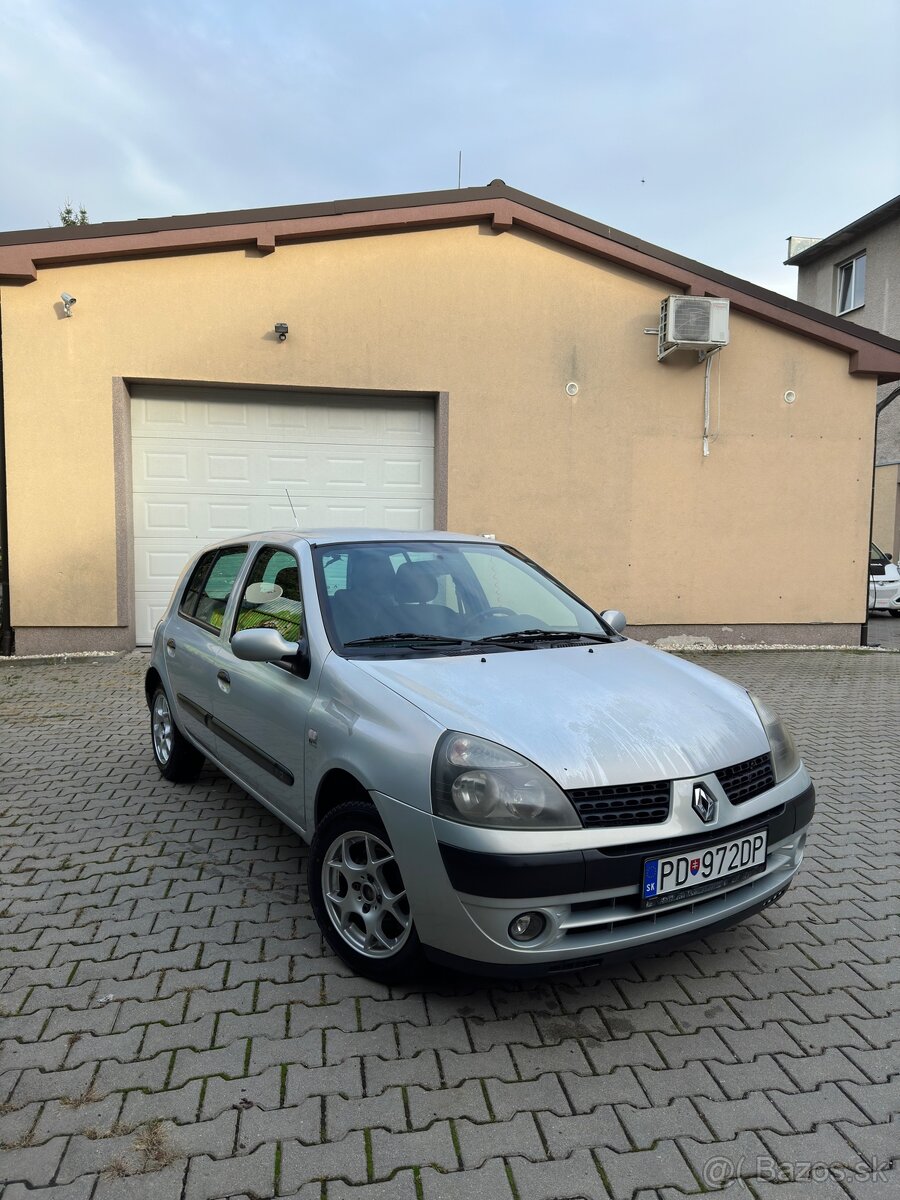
(625, 713)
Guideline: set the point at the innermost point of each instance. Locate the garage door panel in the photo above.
(148, 611)
(260, 512)
(225, 519)
(314, 470)
(408, 422)
(280, 417)
(283, 471)
(207, 467)
(226, 468)
(320, 420)
(159, 465)
(402, 473)
(215, 517)
(161, 415)
(408, 518)
(157, 516)
(226, 417)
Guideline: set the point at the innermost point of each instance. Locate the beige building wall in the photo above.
(886, 510)
(608, 488)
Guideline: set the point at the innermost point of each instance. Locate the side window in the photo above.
(212, 600)
(272, 598)
(195, 584)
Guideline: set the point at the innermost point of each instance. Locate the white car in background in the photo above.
(884, 583)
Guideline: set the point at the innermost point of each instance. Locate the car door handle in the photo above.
(170, 645)
(224, 681)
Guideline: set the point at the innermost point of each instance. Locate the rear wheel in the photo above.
(177, 759)
(359, 897)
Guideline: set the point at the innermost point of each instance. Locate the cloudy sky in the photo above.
(712, 127)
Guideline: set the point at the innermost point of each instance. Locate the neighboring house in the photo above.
(472, 359)
(855, 274)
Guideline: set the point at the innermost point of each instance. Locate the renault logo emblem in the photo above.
(704, 803)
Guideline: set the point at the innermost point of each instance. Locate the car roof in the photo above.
(338, 536)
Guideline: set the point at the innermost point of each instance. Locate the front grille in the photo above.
(747, 779)
(623, 805)
(636, 850)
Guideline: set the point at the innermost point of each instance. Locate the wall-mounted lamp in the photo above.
(68, 301)
(282, 330)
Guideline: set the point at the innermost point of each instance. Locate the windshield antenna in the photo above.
(293, 510)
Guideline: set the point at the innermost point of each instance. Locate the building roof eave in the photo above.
(24, 252)
(850, 233)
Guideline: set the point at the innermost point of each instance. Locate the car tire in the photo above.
(358, 895)
(177, 759)
(894, 612)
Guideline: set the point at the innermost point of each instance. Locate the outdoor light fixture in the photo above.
(68, 301)
(282, 330)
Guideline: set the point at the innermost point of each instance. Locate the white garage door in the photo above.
(210, 465)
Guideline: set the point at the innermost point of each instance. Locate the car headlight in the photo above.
(478, 782)
(785, 757)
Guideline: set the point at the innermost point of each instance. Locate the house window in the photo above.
(851, 291)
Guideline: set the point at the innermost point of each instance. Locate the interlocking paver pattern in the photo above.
(172, 1026)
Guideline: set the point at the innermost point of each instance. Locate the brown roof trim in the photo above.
(23, 252)
(842, 237)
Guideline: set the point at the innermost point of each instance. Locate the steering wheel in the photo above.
(496, 610)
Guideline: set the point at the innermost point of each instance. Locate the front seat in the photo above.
(415, 587)
(366, 607)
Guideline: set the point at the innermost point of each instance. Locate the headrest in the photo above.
(371, 570)
(415, 583)
(287, 579)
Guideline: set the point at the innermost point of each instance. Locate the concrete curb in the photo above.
(15, 660)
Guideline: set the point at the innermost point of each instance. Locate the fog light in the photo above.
(527, 927)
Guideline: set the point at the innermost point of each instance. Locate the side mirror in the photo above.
(615, 619)
(267, 645)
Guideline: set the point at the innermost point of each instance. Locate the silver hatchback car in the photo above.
(489, 773)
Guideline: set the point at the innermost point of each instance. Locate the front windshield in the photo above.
(453, 595)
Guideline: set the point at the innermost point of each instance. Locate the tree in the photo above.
(68, 215)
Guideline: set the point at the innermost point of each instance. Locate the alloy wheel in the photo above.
(364, 894)
(163, 729)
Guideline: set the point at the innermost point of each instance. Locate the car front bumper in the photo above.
(464, 899)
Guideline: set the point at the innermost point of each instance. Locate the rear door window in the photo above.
(207, 594)
(188, 604)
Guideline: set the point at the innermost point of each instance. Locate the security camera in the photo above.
(68, 301)
(282, 330)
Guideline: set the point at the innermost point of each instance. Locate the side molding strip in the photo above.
(257, 756)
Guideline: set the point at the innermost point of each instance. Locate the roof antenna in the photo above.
(293, 510)
(459, 170)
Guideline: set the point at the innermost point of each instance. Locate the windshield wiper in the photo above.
(434, 638)
(543, 635)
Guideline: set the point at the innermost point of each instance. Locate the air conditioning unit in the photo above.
(692, 323)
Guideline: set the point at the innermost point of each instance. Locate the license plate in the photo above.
(693, 872)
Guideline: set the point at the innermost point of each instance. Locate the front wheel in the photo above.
(177, 759)
(895, 612)
(358, 895)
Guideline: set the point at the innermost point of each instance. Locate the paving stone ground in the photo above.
(884, 630)
(174, 1029)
